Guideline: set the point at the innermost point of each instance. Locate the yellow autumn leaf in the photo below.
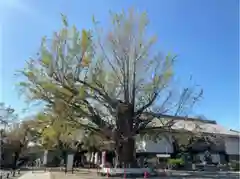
(65, 91)
(81, 92)
(46, 58)
(48, 86)
(84, 40)
(29, 74)
(49, 132)
(169, 60)
(64, 33)
(46, 61)
(168, 74)
(85, 61)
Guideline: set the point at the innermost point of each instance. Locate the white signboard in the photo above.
(69, 162)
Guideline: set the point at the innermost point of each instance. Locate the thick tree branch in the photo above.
(105, 96)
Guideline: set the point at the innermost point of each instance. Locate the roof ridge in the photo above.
(234, 130)
(181, 117)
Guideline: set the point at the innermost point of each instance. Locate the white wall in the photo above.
(232, 146)
(163, 145)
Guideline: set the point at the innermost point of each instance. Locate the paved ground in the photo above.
(4, 174)
(90, 175)
(36, 175)
(204, 174)
(93, 175)
(61, 175)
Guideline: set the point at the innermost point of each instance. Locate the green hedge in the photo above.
(177, 161)
(235, 165)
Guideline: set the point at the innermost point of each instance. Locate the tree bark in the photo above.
(124, 136)
(15, 159)
(127, 156)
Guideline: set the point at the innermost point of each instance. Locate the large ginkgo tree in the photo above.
(111, 81)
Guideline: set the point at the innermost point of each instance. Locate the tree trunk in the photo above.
(127, 157)
(64, 156)
(63, 151)
(15, 159)
(124, 136)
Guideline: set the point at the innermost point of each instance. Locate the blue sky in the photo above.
(204, 33)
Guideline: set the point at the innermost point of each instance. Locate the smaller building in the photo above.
(223, 146)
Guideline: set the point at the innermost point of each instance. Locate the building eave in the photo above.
(185, 131)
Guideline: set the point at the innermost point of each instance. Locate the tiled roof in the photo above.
(187, 124)
(192, 125)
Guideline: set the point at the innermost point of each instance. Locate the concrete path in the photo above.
(93, 175)
(62, 175)
(36, 175)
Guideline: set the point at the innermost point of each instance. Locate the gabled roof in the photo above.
(191, 125)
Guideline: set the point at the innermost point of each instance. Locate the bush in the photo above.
(235, 165)
(176, 162)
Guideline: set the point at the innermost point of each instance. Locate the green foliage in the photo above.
(235, 165)
(7, 114)
(19, 134)
(92, 142)
(82, 73)
(64, 20)
(176, 162)
(55, 131)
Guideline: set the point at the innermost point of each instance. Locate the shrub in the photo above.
(235, 165)
(177, 161)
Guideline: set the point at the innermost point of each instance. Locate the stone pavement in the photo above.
(4, 174)
(59, 175)
(90, 175)
(93, 175)
(203, 174)
(62, 175)
(36, 175)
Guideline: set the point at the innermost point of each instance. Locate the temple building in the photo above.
(223, 145)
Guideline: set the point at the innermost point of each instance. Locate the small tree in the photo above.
(186, 141)
(108, 85)
(7, 117)
(92, 142)
(56, 133)
(17, 136)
